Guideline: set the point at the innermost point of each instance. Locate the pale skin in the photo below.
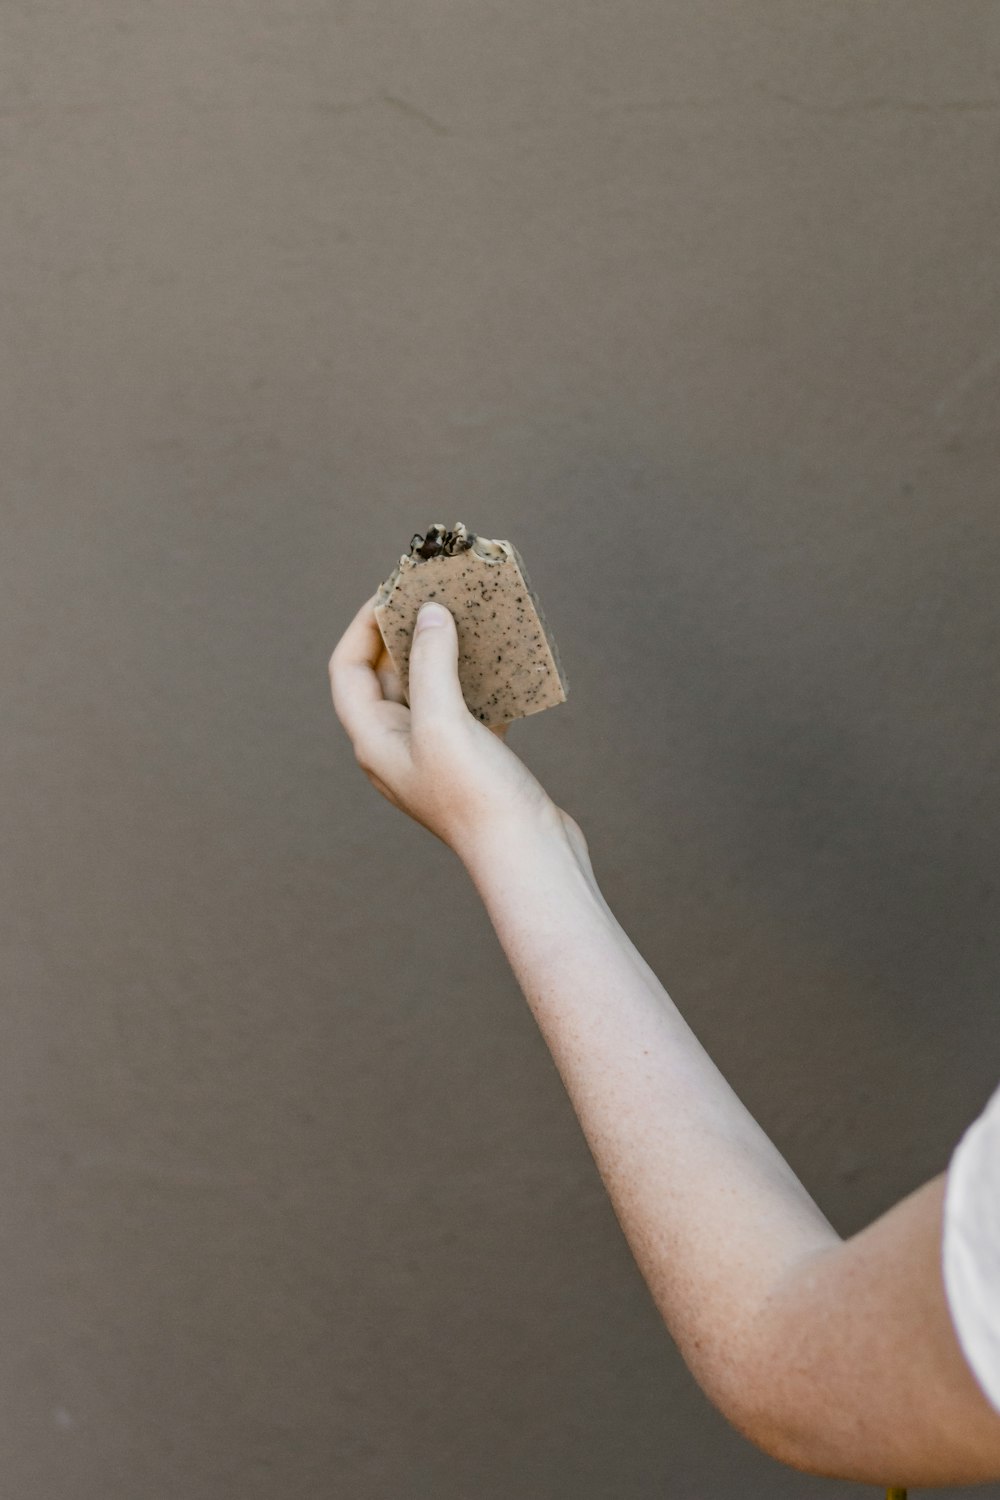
(836, 1356)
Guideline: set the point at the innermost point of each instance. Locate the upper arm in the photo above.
(854, 1368)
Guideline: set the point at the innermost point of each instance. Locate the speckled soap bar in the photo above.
(508, 664)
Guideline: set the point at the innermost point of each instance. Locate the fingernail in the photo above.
(431, 614)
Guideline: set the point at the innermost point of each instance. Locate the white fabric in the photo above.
(970, 1248)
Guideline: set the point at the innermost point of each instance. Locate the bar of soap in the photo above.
(508, 664)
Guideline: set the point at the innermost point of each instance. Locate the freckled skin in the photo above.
(837, 1356)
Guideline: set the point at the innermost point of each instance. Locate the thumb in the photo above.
(435, 692)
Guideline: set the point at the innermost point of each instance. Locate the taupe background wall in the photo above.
(700, 305)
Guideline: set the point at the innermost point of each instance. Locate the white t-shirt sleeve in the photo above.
(970, 1250)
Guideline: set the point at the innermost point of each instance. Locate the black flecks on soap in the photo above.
(505, 658)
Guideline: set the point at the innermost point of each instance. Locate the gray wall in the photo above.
(697, 303)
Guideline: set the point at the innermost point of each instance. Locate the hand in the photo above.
(434, 760)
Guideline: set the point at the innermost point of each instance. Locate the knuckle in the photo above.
(364, 758)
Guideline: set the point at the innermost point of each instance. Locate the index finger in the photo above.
(357, 692)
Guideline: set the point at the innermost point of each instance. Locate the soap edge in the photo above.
(385, 591)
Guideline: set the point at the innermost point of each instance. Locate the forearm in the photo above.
(712, 1212)
(782, 1322)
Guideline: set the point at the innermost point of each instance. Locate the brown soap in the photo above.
(508, 664)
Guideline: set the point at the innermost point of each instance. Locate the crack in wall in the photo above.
(863, 106)
(321, 107)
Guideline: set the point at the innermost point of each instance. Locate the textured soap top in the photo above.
(508, 664)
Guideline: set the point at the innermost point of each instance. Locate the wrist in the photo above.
(543, 831)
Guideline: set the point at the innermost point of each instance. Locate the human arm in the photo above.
(837, 1357)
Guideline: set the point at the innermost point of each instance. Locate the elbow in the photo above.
(761, 1374)
(754, 1384)
(746, 1396)
(764, 1419)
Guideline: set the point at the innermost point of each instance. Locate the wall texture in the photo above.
(700, 305)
